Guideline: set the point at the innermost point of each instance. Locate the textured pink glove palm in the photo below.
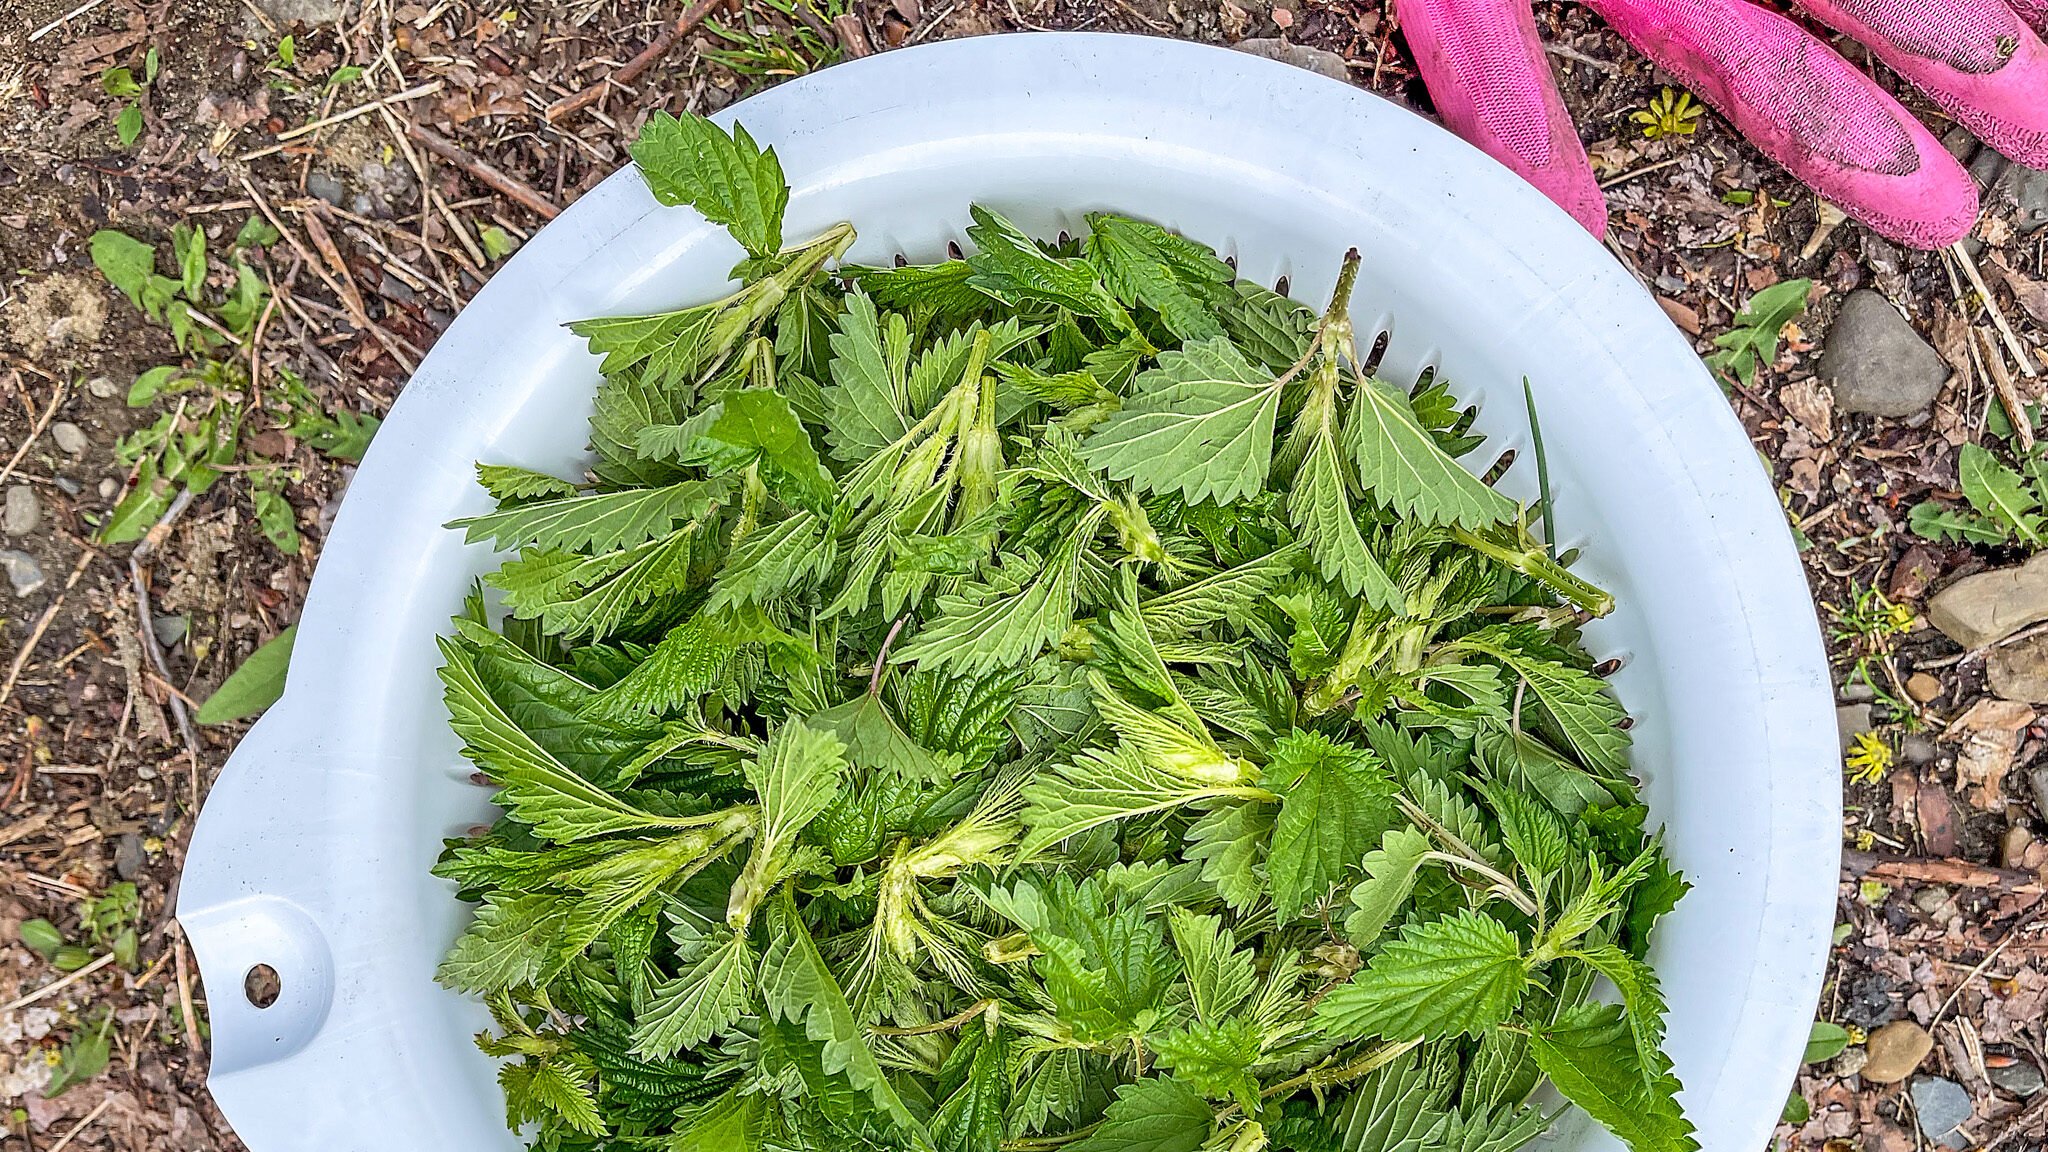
(1792, 95)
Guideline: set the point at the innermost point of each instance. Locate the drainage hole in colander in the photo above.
(261, 986)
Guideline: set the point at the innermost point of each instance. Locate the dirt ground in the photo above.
(384, 232)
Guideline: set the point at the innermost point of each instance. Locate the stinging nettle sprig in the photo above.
(1056, 698)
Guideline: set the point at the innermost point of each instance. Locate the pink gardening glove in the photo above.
(1792, 95)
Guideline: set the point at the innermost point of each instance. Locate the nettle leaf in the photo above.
(1220, 977)
(706, 997)
(797, 987)
(1144, 264)
(1390, 872)
(1457, 976)
(1400, 465)
(973, 637)
(726, 176)
(1099, 787)
(1214, 1058)
(1230, 844)
(1010, 266)
(595, 521)
(1200, 424)
(972, 1119)
(1591, 1057)
(1156, 1114)
(1335, 801)
(868, 405)
(506, 483)
(540, 791)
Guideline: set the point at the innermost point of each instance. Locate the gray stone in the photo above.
(1930, 899)
(305, 11)
(1959, 143)
(1318, 60)
(103, 387)
(22, 512)
(2026, 189)
(1895, 1050)
(67, 485)
(1851, 721)
(1876, 364)
(1987, 167)
(1986, 608)
(1917, 750)
(326, 186)
(69, 437)
(129, 858)
(1942, 1106)
(170, 629)
(22, 571)
(2022, 1079)
(1858, 692)
(2020, 671)
(2037, 779)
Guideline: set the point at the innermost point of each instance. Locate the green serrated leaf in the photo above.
(1200, 424)
(726, 176)
(1457, 976)
(1156, 1114)
(1335, 801)
(1400, 464)
(1592, 1059)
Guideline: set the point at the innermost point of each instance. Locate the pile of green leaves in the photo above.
(1048, 699)
(207, 402)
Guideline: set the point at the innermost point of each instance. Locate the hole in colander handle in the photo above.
(233, 939)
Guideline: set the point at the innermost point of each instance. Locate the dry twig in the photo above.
(489, 176)
(1940, 870)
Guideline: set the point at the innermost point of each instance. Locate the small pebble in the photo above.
(1942, 1106)
(1895, 1050)
(170, 629)
(1917, 749)
(22, 571)
(108, 486)
(22, 512)
(1922, 687)
(1930, 899)
(103, 387)
(2038, 779)
(1857, 692)
(2012, 847)
(2022, 1079)
(129, 857)
(1851, 721)
(327, 187)
(69, 437)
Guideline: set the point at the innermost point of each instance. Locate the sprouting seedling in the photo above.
(1753, 343)
(121, 84)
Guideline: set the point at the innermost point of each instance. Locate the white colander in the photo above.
(312, 854)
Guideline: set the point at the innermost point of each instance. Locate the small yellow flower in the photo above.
(1866, 840)
(1856, 1035)
(1869, 758)
(1669, 114)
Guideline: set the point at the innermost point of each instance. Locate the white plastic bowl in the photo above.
(312, 853)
